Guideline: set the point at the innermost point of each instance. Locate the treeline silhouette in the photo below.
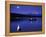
(15, 16)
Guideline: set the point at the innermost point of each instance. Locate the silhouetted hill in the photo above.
(14, 16)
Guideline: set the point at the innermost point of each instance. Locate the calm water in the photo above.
(27, 25)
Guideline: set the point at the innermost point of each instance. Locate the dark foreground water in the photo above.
(26, 25)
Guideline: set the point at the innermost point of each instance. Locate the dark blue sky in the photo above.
(20, 9)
